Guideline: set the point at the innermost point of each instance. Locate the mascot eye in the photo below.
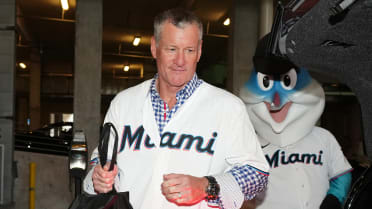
(289, 80)
(265, 82)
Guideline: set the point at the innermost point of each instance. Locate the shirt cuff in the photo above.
(230, 195)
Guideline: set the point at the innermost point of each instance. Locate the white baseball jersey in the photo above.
(300, 173)
(209, 134)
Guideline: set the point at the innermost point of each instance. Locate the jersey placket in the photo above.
(167, 113)
(300, 178)
(164, 115)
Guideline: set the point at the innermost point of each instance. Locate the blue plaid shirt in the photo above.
(162, 112)
(250, 180)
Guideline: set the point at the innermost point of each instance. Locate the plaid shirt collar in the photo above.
(161, 110)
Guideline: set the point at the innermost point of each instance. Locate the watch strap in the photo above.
(213, 188)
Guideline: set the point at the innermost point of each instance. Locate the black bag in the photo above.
(112, 199)
(359, 196)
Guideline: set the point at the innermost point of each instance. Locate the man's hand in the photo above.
(184, 189)
(103, 179)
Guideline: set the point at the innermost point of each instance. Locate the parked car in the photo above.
(52, 139)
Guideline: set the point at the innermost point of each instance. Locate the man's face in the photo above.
(177, 54)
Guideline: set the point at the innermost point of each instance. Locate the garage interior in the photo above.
(62, 65)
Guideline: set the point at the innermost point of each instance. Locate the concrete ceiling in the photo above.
(42, 26)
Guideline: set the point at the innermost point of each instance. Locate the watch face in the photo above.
(215, 189)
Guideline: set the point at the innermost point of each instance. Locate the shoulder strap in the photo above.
(103, 145)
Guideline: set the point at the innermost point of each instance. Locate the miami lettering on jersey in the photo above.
(280, 157)
(168, 140)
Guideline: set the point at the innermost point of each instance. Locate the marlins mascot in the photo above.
(308, 168)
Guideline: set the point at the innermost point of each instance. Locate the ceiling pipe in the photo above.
(339, 93)
(129, 55)
(217, 35)
(26, 75)
(47, 18)
(127, 77)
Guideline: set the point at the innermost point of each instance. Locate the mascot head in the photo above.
(283, 104)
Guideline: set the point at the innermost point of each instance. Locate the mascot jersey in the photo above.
(194, 142)
(306, 161)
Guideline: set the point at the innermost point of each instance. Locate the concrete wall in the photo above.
(53, 189)
(242, 43)
(7, 66)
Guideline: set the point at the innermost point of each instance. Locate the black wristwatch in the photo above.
(213, 188)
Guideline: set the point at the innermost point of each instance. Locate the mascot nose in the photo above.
(275, 104)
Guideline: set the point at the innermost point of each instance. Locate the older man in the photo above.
(184, 142)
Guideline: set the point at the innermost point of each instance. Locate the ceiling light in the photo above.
(226, 22)
(22, 65)
(64, 4)
(136, 41)
(126, 68)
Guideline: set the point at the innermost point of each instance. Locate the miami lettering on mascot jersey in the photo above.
(306, 161)
(282, 159)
